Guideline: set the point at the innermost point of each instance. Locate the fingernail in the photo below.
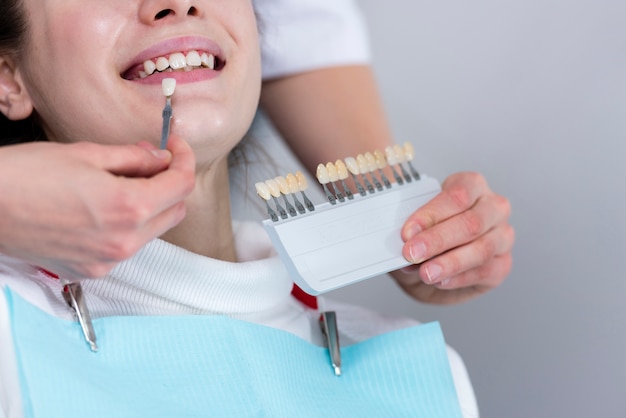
(148, 146)
(162, 154)
(433, 272)
(412, 230)
(417, 252)
(444, 282)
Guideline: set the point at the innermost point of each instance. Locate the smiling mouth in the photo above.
(177, 61)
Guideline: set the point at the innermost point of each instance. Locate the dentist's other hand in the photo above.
(460, 243)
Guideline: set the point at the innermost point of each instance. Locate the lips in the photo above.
(177, 61)
(183, 55)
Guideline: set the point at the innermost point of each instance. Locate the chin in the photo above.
(211, 144)
(212, 130)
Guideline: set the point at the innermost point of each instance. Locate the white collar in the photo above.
(165, 279)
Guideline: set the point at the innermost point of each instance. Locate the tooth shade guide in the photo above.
(293, 187)
(397, 149)
(391, 156)
(369, 166)
(301, 181)
(392, 160)
(303, 186)
(284, 191)
(338, 245)
(283, 185)
(342, 173)
(381, 163)
(168, 85)
(333, 174)
(353, 167)
(324, 179)
(299, 206)
(380, 159)
(322, 174)
(293, 183)
(342, 170)
(410, 155)
(408, 151)
(363, 165)
(372, 168)
(402, 158)
(274, 190)
(371, 161)
(263, 190)
(363, 170)
(273, 187)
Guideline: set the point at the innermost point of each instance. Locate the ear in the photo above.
(15, 102)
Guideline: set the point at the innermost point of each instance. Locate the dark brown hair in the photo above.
(13, 35)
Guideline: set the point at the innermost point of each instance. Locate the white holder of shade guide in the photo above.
(341, 244)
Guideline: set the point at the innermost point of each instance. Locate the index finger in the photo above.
(130, 160)
(459, 193)
(172, 185)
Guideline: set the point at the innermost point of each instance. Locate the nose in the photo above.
(153, 11)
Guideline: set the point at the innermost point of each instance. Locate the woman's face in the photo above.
(85, 62)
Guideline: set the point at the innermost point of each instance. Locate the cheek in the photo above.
(63, 27)
(250, 71)
(243, 98)
(251, 95)
(63, 44)
(67, 45)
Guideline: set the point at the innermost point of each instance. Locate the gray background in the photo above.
(533, 95)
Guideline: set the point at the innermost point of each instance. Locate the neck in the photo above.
(207, 227)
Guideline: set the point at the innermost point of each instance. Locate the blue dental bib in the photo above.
(205, 366)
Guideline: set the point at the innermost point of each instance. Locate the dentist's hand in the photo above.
(79, 209)
(460, 242)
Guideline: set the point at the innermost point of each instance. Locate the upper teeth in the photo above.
(178, 61)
